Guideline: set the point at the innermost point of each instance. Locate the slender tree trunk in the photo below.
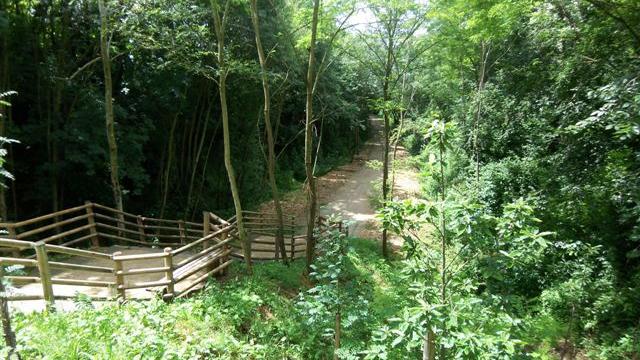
(9, 335)
(428, 346)
(108, 107)
(338, 331)
(219, 24)
(484, 54)
(271, 159)
(167, 171)
(308, 140)
(385, 158)
(443, 225)
(397, 139)
(4, 86)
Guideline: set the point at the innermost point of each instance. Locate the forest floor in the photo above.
(352, 189)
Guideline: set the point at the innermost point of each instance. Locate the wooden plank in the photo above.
(206, 238)
(148, 284)
(160, 227)
(63, 265)
(115, 228)
(99, 206)
(43, 217)
(153, 270)
(147, 244)
(38, 230)
(204, 277)
(18, 261)
(66, 233)
(203, 265)
(218, 219)
(117, 221)
(17, 244)
(80, 239)
(18, 297)
(203, 252)
(77, 252)
(138, 256)
(78, 282)
(17, 279)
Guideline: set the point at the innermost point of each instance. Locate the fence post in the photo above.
(140, 221)
(118, 268)
(95, 242)
(45, 274)
(225, 258)
(206, 227)
(168, 263)
(182, 231)
(293, 238)
(12, 234)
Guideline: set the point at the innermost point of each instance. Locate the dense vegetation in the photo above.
(526, 125)
(166, 105)
(523, 118)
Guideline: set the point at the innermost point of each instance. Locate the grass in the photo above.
(250, 317)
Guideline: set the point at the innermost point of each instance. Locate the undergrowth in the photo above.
(248, 317)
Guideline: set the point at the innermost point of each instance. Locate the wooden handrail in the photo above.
(203, 239)
(77, 252)
(138, 256)
(18, 244)
(38, 230)
(44, 217)
(203, 253)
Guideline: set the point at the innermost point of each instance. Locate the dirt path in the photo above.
(348, 190)
(353, 199)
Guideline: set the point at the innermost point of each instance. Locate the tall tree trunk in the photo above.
(4, 114)
(484, 55)
(9, 335)
(271, 159)
(308, 140)
(165, 178)
(385, 156)
(108, 107)
(443, 227)
(219, 24)
(396, 141)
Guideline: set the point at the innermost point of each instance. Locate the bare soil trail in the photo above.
(348, 189)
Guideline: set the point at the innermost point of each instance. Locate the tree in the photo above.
(219, 21)
(271, 159)
(108, 106)
(312, 197)
(391, 39)
(5, 316)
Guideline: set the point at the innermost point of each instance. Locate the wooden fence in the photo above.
(204, 250)
(182, 254)
(262, 229)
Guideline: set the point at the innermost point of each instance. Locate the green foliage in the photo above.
(262, 316)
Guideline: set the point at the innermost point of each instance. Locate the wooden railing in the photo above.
(262, 228)
(204, 248)
(324, 224)
(43, 263)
